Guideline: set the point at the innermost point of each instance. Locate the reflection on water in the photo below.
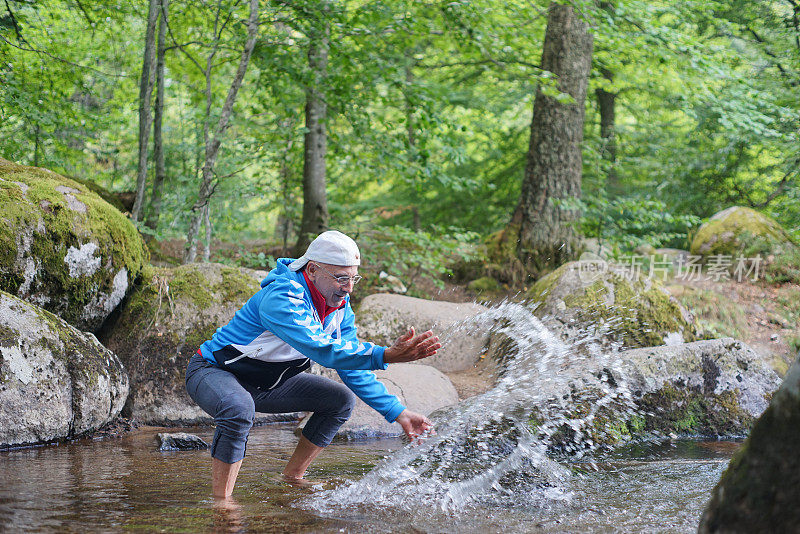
(127, 484)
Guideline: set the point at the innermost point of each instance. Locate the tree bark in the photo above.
(145, 118)
(553, 169)
(158, 142)
(606, 101)
(213, 143)
(315, 200)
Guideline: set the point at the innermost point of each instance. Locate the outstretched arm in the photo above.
(410, 347)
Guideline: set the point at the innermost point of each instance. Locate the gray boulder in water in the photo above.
(760, 490)
(64, 248)
(712, 387)
(55, 381)
(180, 441)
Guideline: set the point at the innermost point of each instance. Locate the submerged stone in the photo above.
(760, 489)
(64, 248)
(55, 381)
(181, 441)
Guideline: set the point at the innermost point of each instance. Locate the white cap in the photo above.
(331, 247)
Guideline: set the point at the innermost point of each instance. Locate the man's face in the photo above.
(333, 292)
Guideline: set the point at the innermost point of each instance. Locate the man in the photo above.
(254, 363)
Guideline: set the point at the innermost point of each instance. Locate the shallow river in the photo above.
(126, 484)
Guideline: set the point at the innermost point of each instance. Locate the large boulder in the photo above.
(420, 388)
(732, 231)
(162, 325)
(596, 301)
(716, 387)
(760, 489)
(383, 317)
(55, 381)
(64, 248)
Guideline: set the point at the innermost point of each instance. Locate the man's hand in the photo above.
(416, 426)
(409, 347)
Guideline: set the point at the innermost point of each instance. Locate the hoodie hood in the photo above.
(281, 270)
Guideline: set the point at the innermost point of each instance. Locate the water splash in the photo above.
(552, 399)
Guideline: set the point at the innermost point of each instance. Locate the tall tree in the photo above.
(213, 140)
(145, 118)
(315, 199)
(152, 216)
(553, 170)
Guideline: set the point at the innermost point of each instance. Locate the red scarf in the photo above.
(319, 301)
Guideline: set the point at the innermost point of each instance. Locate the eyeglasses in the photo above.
(342, 280)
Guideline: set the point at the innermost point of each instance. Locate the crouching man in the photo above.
(255, 363)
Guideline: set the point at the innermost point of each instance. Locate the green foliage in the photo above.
(625, 223)
(413, 255)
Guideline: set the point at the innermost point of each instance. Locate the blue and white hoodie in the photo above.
(278, 333)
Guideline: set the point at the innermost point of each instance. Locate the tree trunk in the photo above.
(315, 203)
(158, 142)
(607, 101)
(553, 170)
(145, 119)
(207, 241)
(207, 184)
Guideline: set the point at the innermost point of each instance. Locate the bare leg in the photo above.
(223, 477)
(302, 457)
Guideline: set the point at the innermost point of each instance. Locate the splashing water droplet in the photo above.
(553, 400)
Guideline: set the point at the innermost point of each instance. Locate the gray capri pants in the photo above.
(233, 404)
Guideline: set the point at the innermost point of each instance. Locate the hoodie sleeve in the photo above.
(284, 312)
(372, 392)
(363, 383)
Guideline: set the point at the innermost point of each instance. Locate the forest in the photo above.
(421, 128)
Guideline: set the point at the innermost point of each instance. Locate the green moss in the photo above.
(485, 284)
(689, 410)
(187, 282)
(634, 314)
(36, 211)
(236, 286)
(729, 232)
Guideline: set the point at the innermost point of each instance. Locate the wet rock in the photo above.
(64, 248)
(760, 489)
(730, 232)
(180, 441)
(162, 325)
(593, 302)
(382, 318)
(55, 381)
(714, 388)
(420, 388)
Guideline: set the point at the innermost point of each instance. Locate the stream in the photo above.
(126, 484)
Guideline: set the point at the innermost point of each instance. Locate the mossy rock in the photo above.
(56, 382)
(730, 232)
(714, 388)
(485, 284)
(163, 323)
(64, 248)
(611, 304)
(760, 489)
